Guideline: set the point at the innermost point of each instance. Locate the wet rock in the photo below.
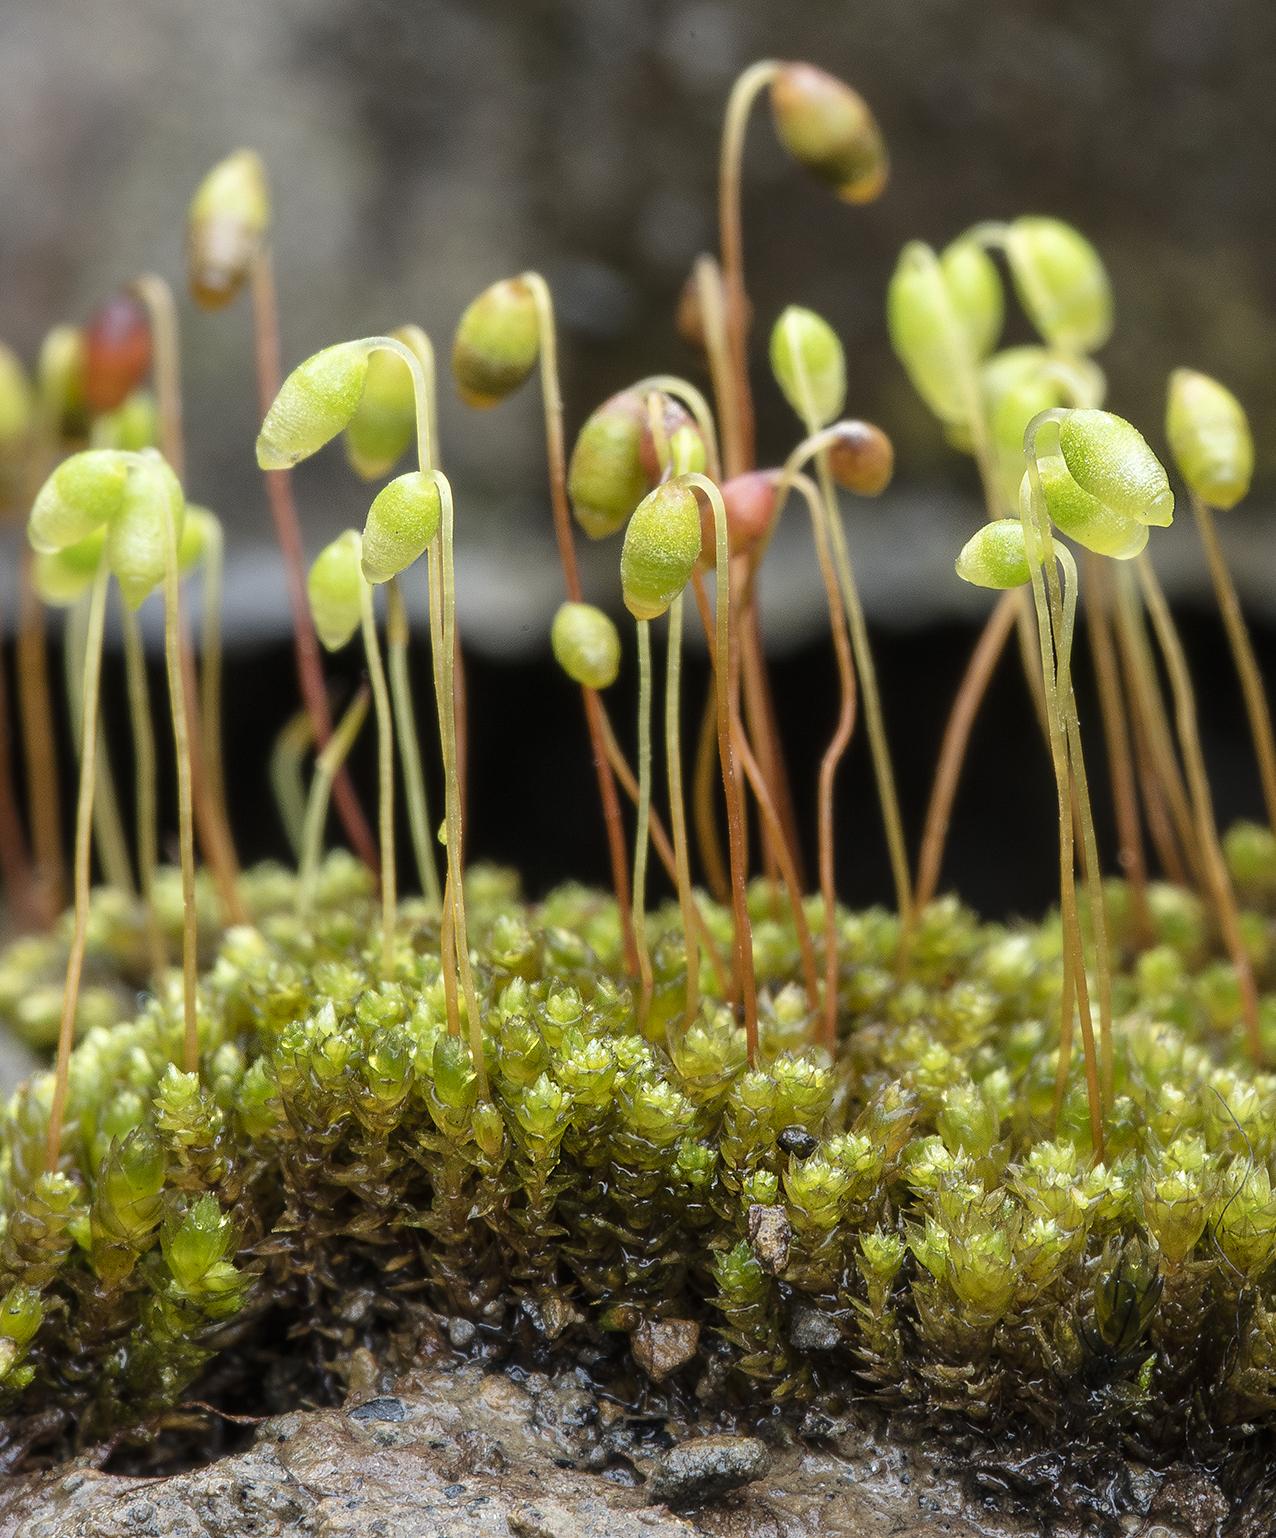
(813, 1330)
(474, 1453)
(770, 1237)
(704, 1469)
(385, 1408)
(661, 1346)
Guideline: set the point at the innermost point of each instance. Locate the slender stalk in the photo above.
(815, 447)
(708, 840)
(1065, 629)
(39, 750)
(1145, 691)
(397, 636)
(952, 752)
(678, 812)
(177, 687)
(286, 782)
(1247, 669)
(628, 782)
(161, 312)
(443, 647)
(81, 868)
(759, 703)
(316, 809)
(212, 831)
(738, 427)
(833, 754)
(144, 786)
(788, 870)
(730, 781)
(1202, 802)
(385, 775)
(108, 828)
(556, 456)
(641, 840)
(1037, 536)
(283, 509)
(1125, 797)
(210, 646)
(1159, 822)
(15, 858)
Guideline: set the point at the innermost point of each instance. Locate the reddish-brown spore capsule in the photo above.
(749, 503)
(862, 459)
(117, 352)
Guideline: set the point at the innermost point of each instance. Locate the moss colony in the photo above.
(747, 1147)
(899, 1219)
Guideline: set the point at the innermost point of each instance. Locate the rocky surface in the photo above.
(480, 1454)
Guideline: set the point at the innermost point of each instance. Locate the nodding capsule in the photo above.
(996, 556)
(335, 589)
(404, 518)
(830, 129)
(748, 500)
(586, 645)
(316, 402)
(225, 225)
(1110, 458)
(809, 365)
(117, 352)
(862, 458)
(497, 343)
(1209, 437)
(615, 460)
(662, 544)
(1061, 282)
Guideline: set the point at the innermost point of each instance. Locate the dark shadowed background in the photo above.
(420, 149)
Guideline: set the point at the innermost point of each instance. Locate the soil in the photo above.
(470, 1452)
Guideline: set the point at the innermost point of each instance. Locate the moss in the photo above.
(904, 1219)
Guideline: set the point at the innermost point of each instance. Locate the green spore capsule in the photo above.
(137, 539)
(661, 545)
(830, 129)
(131, 427)
(62, 577)
(1061, 282)
(403, 519)
(316, 402)
(335, 590)
(996, 556)
(497, 343)
(944, 314)
(84, 493)
(1209, 436)
(17, 405)
(975, 289)
(809, 365)
(225, 225)
(383, 427)
(59, 378)
(586, 645)
(200, 528)
(1110, 458)
(606, 478)
(1083, 517)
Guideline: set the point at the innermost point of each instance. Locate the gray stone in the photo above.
(704, 1469)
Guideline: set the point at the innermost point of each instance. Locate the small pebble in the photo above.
(704, 1469)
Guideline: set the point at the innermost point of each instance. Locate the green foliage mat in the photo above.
(909, 1220)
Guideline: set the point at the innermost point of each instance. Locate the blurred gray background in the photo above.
(422, 148)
